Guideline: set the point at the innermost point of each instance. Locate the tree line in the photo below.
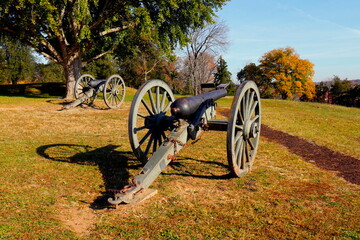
(139, 40)
(18, 64)
(73, 33)
(185, 74)
(282, 74)
(338, 91)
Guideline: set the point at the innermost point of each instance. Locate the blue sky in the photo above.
(325, 32)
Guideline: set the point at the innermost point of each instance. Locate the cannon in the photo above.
(160, 126)
(87, 89)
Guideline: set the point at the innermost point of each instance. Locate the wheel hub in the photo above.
(156, 122)
(254, 130)
(251, 130)
(114, 91)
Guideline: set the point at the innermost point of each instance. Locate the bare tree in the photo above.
(204, 42)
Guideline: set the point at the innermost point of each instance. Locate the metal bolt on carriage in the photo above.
(160, 126)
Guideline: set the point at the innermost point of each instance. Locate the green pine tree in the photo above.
(224, 76)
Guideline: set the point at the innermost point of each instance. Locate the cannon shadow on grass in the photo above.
(178, 164)
(113, 165)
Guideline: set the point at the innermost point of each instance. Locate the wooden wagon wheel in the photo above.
(81, 87)
(114, 91)
(243, 130)
(146, 126)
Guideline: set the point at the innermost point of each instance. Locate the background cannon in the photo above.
(87, 89)
(160, 126)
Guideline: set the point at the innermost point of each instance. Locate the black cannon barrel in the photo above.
(184, 107)
(96, 83)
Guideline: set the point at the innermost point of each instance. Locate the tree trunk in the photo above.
(72, 73)
(145, 70)
(14, 81)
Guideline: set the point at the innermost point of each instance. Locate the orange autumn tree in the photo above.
(289, 73)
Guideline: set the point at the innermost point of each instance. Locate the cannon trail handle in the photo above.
(87, 95)
(152, 169)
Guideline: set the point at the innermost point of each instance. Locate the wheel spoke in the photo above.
(116, 83)
(237, 148)
(251, 144)
(253, 108)
(247, 157)
(147, 107)
(250, 95)
(240, 156)
(239, 127)
(155, 144)
(247, 103)
(240, 117)
(141, 128)
(158, 110)
(152, 102)
(108, 96)
(167, 107)
(243, 157)
(116, 100)
(111, 100)
(254, 119)
(243, 109)
(163, 102)
(161, 138)
(163, 135)
(251, 98)
(145, 137)
(149, 145)
(239, 134)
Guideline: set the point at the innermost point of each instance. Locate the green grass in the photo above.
(335, 127)
(56, 166)
(332, 126)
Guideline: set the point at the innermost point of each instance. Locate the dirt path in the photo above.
(345, 166)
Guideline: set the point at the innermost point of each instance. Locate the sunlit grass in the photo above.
(332, 126)
(335, 127)
(57, 165)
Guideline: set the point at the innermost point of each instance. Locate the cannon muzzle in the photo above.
(185, 107)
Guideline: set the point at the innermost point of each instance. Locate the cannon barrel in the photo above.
(96, 83)
(184, 107)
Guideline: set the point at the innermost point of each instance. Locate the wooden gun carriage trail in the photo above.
(160, 126)
(87, 88)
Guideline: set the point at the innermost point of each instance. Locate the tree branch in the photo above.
(61, 30)
(152, 68)
(100, 55)
(46, 44)
(112, 30)
(49, 57)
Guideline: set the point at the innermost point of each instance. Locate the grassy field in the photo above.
(56, 167)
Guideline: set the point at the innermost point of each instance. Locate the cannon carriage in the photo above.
(87, 89)
(160, 126)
